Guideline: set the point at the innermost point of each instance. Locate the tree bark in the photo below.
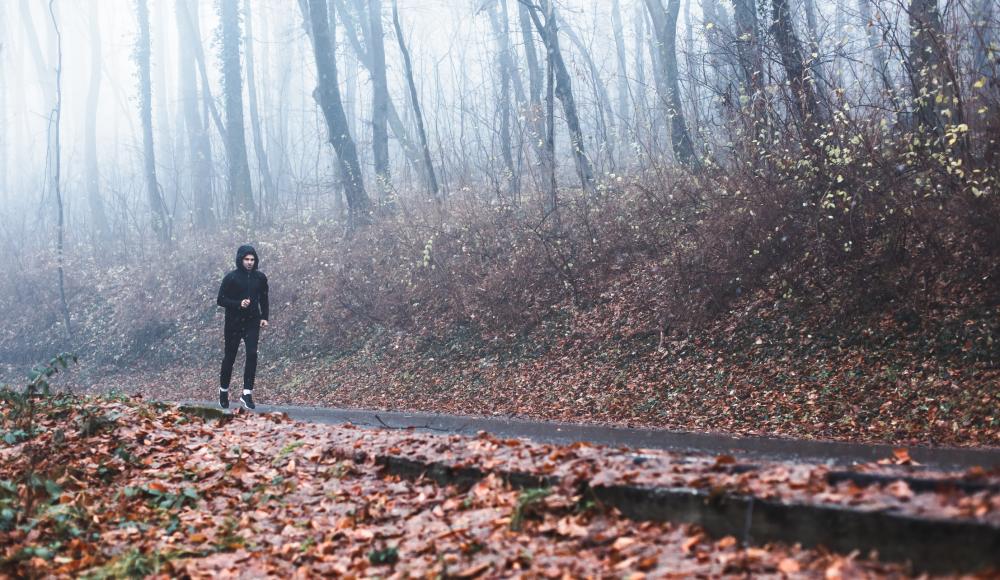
(508, 77)
(328, 92)
(605, 115)
(380, 97)
(263, 165)
(665, 27)
(158, 209)
(410, 149)
(552, 205)
(530, 57)
(879, 61)
(408, 70)
(928, 64)
(622, 80)
(199, 146)
(240, 192)
(564, 90)
(984, 57)
(805, 104)
(751, 66)
(57, 120)
(92, 175)
(5, 128)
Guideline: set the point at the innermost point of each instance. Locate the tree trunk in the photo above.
(258, 137)
(751, 67)
(535, 119)
(622, 80)
(193, 26)
(92, 176)
(408, 70)
(694, 94)
(241, 200)
(665, 27)
(160, 217)
(564, 91)
(380, 97)
(640, 107)
(328, 93)
(984, 56)
(605, 116)
(812, 30)
(5, 128)
(718, 31)
(57, 120)
(508, 76)
(879, 61)
(199, 146)
(410, 149)
(552, 205)
(43, 72)
(805, 104)
(928, 64)
(159, 59)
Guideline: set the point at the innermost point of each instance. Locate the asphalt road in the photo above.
(833, 452)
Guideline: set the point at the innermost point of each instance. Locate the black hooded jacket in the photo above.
(240, 284)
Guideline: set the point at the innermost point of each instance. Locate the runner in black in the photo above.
(243, 294)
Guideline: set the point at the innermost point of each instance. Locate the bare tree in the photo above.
(42, 69)
(365, 57)
(563, 87)
(509, 77)
(56, 120)
(263, 166)
(96, 202)
(4, 126)
(415, 100)
(380, 95)
(805, 103)
(530, 57)
(665, 27)
(240, 188)
(879, 60)
(984, 38)
(199, 145)
(605, 114)
(158, 209)
(328, 94)
(933, 90)
(622, 78)
(746, 34)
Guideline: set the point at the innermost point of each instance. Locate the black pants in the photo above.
(249, 332)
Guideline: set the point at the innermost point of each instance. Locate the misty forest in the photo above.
(627, 211)
(737, 217)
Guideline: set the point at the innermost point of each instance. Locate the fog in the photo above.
(483, 132)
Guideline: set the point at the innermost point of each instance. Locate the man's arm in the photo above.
(225, 301)
(263, 298)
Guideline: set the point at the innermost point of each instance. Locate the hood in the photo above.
(243, 251)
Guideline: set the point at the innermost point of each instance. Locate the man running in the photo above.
(243, 294)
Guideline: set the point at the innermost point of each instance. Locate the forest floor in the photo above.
(114, 487)
(770, 366)
(868, 349)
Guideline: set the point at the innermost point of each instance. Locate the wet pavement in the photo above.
(833, 452)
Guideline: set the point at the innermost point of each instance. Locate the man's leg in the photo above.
(251, 336)
(232, 337)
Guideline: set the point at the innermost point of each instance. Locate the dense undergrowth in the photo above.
(845, 289)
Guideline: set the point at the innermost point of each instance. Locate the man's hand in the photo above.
(245, 303)
(263, 324)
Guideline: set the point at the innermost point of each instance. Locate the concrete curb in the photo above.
(928, 545)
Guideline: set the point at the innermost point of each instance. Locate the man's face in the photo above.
(248, 261)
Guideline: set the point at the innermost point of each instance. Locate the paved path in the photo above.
(549, 432)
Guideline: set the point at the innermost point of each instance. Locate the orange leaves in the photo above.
(242, 500)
